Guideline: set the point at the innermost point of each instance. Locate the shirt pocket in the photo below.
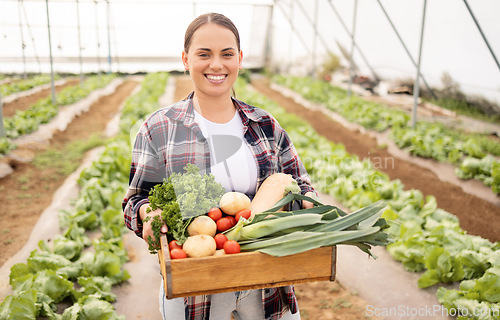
(273, 164)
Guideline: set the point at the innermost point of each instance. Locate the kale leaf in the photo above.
(182, 197)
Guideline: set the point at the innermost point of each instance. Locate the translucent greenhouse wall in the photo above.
(451, 43)
(116, 35)
(288, 36)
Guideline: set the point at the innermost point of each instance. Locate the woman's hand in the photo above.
(307, 204)
(147, 230)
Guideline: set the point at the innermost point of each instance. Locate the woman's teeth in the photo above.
(215, 78)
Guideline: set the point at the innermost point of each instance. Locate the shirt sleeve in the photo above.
(289, 159)
(145, 173)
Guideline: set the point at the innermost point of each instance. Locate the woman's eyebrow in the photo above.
(208, 49)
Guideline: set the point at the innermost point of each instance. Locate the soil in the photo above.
(28, 191)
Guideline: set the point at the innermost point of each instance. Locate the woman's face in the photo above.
(213, 60)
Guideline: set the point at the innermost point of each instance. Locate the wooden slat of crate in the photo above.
(243, 271)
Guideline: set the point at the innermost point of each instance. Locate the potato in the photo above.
(219, 252)
(202, 225)
(233, 202)
(200, 245)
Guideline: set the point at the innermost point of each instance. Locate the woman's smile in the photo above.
(213, 78)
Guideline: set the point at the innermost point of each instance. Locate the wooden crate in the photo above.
(243, 271)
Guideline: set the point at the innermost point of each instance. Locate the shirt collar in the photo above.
(183, 111)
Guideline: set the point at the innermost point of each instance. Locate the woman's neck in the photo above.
(219, 110)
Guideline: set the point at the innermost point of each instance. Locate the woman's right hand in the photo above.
(147, 230)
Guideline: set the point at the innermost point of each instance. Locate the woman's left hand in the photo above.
(307, 204)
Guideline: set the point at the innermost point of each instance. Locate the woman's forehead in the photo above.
(211, 35)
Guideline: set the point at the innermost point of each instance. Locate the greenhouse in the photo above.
(374, 126)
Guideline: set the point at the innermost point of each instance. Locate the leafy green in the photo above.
(91, 308)
(104, 264)
(19, 306)
(54, 286)
(62, 271)
(441, 267)
(479, 298)
(428, 139)
(182, 197)
(27, 121)
(97, 286)
(25, 84)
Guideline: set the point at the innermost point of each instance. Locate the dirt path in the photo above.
(21, 104)
(28, 191)
(477, 217)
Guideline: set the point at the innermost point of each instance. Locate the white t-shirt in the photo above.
(233, 164)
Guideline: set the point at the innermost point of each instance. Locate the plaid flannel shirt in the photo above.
(170, 138)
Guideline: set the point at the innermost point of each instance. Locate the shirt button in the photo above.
(262, 172)
(266, 291)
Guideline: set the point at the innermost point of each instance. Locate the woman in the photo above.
(239, 144)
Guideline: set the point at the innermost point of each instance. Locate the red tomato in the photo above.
(174, 245)
(177, 253)
(231, 246)
(224, 223)
(215, 214)
(233, 220)
(243, 213)
(220, 239)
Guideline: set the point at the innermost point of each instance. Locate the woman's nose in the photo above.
(216, 63)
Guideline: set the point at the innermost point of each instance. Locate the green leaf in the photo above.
(441, 267)
(105, 264)
(38, 261)
(489, 285)
(53, 285)
(17, 271)
(91, 308)
(99, 287)
(70, 249)
(19, 307)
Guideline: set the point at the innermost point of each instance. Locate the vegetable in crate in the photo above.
(275, 187)
(182, 197)
(281, 233)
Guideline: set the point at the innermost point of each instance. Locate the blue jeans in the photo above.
(243, 305)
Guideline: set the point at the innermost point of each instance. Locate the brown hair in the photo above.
(207, 18)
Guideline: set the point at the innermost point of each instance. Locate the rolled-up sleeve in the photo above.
(145, 173)
(290, 161)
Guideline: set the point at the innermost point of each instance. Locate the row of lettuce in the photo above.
(72, 276)
(27, 121)
(475, 156)
(17, 85)
(427, 239)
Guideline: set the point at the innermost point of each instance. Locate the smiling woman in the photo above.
(213, 57)
(239, 144)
